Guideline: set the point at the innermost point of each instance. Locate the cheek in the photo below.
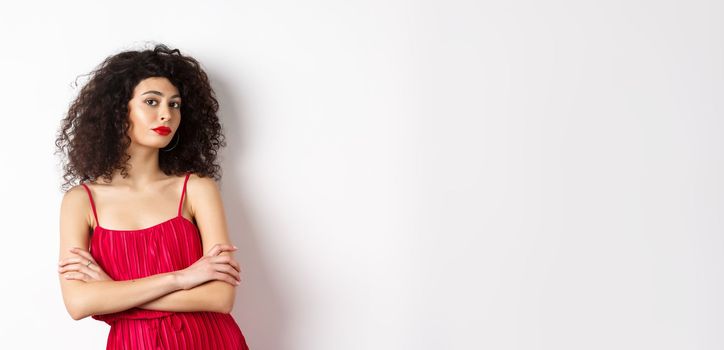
(140, 119)
(138, 127)
(135, 124)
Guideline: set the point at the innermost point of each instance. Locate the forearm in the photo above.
(216, 296)
(103, 297)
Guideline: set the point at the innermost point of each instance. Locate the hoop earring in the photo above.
(174, 146)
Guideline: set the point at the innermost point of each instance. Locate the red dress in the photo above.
(165, 247)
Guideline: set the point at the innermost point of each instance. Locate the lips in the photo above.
(162, 130)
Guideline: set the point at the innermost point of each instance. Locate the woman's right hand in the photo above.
(211, 267)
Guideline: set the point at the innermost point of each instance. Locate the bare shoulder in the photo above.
(75, 191)
(208, 209)
(75, 201)
(201, 185)
(201, 190)
(74, 210)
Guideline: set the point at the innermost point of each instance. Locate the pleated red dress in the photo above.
(165, 247)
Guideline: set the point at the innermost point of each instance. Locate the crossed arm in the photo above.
(165, 291)
(216, 296)
(211, 295)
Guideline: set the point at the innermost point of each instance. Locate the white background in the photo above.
(412, 174)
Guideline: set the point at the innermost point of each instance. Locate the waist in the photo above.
(132, 314)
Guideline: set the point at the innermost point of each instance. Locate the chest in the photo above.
(127, 254)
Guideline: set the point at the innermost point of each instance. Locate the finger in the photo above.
(76, 250)
(77, 258)
(213, 251)
(75, 276)
(93, 275)
(226, 278)
(79, 261)
(70, 260)
(85, 277)
(81, 268)
(226, 259)
(85, 254)
(70, 267)
(220, 259)
(220, 247)
(235, 265)
(229, 271)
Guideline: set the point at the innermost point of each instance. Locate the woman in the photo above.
(141, 140)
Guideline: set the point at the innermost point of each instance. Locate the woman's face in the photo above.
(155, 103)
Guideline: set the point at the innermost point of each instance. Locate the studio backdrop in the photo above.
(411, 175)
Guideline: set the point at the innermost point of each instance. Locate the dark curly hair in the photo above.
(93, 135)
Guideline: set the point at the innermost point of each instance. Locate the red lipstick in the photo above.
(162, 130)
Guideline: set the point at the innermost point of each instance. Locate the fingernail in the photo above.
(238, 283)
(235, 247)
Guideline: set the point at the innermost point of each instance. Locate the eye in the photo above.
(151, 100)
(176, 105)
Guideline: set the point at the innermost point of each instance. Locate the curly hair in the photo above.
(93, 134)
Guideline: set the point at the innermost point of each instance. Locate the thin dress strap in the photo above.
(183, 191)
(95, 215)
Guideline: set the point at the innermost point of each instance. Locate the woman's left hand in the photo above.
(77, 267)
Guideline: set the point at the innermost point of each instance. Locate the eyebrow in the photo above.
(158, 93)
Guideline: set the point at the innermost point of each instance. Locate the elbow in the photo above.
(78, 301)
(76, 310)
(227, 304)
(226, 308)
(76, 314)
(226, 300)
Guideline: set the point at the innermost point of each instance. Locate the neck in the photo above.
(143, 167)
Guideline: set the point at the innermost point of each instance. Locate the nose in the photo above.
(165, 113)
